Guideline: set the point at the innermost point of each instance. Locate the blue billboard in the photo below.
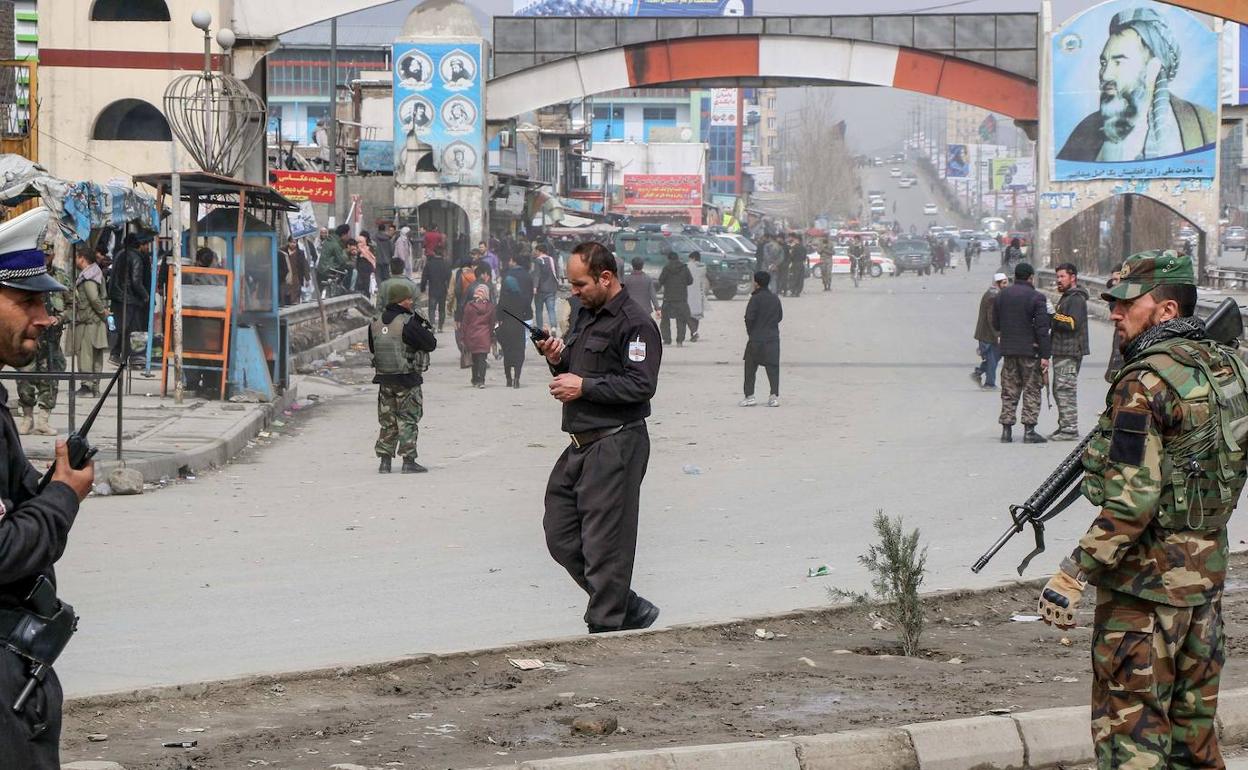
(1132, 94)
(633, 7)
(437, 109)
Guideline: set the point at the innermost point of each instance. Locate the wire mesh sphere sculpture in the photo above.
(217, 118)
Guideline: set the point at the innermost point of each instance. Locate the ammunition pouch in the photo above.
(38, 638)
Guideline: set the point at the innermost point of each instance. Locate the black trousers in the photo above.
(678, 313)
(128, 318)
(759, 354)
(592, 499)
(478, 367)
(30, 740)
(437, 304)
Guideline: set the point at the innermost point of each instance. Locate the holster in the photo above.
(35, 637)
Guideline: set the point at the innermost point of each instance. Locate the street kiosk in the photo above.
(232, 328)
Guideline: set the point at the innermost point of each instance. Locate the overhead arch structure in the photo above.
(763, 60)
(1231, 10)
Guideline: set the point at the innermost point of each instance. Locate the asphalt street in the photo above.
(305, 557)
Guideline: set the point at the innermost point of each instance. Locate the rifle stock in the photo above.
(1224, 325)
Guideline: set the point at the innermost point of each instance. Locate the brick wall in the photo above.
(7, 40)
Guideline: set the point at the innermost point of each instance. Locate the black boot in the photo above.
(1007, 434)
(640, 614)
(385, 465)
(411, 466)
(1031, 437)
(515, 379)
(507, 371)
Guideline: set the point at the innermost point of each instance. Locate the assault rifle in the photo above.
(1225, 325)
(79, 450)
(537, 335)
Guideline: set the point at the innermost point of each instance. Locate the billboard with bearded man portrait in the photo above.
(1135, 94)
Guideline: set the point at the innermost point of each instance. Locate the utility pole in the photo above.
(333, 94)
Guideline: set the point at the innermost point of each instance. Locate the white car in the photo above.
(894, 172)
(929, 209)
(880, 264)
(905, 183)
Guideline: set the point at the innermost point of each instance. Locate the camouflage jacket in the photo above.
(54, 302)
(1166, 469)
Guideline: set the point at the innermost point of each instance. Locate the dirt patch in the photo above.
(824, 671)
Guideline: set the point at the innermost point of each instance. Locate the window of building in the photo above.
(658, 113)
(131, 120)
(129, 10)
(305, 72)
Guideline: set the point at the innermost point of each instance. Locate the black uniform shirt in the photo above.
(616, 350)
(33, 530)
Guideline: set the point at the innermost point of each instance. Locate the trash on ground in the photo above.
(691, 469)
(97, 737)
(526, 664)
(820, 571)
(1065, 679)
(1024, 618)
(763, 633)
(808, 662)
(180, 744)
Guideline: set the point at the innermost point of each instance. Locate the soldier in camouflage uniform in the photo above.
(1069, 346)
(48, 358)
(400, 340)
(1166, 469)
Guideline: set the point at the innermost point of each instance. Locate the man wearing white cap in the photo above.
(34, 525)
(989, 339)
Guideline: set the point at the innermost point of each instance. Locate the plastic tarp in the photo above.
(79, 207)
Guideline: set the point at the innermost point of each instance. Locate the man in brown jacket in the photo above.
(985, 375)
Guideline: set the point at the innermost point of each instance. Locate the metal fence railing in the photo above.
(74, 379)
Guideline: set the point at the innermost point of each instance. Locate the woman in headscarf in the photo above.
(516, 298)
(365, 264)
(477, 329)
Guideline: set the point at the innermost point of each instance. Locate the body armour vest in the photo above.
(1203, 467)
(391, 355)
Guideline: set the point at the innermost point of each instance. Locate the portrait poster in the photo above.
(437, 102)
(1134, 96)
(957, 161)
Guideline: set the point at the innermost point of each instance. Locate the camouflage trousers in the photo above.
(1020, 379)
(1155, 671)
(41, 393)
(1065, 382)
(398, 412)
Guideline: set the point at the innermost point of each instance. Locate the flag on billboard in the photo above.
(988, 129)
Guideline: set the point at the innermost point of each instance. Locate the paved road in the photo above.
(306, 557)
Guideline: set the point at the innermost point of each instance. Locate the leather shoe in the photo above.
(600, 629)
(1007, 434)
(640, 614)
(385, 465)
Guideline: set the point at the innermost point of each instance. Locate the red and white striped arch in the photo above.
(791, 58)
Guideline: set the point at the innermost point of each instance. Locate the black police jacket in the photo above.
(33, 529)
(617, 352)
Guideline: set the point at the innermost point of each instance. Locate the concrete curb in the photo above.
(337, 344)
(217, 452)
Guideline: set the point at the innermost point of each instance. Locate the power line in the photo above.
(85, 153)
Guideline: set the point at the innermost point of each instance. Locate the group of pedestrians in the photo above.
(1033, 341)
(785, 257)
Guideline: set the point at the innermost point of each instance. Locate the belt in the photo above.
(585, 438)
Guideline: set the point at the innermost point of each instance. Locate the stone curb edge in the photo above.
(220, 451)
(1049, 738)
(217, 452)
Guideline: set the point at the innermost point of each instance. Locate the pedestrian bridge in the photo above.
(988, 60)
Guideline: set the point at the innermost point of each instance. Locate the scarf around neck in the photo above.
(1190, 328)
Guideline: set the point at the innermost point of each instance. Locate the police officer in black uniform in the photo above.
(606, 372)
(34, 526)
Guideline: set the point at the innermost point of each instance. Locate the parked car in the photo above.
(987, 242)
(930, 209)
(894, 172)
(728, 273)
(1186, 236)
(744, 245)
(880, 264)
(912, 254)
(1235, 238)
(905, 183)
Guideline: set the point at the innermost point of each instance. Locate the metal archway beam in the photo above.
(1231, 10)
(768, 57)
